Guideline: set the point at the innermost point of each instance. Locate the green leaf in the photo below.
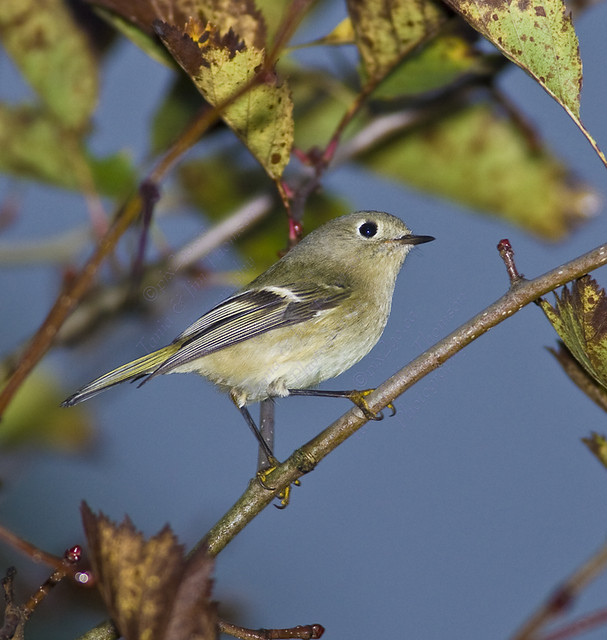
(222, 66)
(241, 16)
(387, 30)
(35, 146)
(35, 419)
(320, 103)
(478, 157)
(273, 12)
(579, 316)
(538, 36)
(442, 62)
(114, 175)
(54, 55)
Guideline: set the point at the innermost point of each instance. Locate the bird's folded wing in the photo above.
(249, 314)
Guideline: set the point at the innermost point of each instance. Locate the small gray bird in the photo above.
(309, 317)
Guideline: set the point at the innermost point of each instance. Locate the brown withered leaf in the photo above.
(579, 316)
(150, 589)
(242, 16)
(224, 69)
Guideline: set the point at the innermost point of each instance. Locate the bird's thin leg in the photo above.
(266, 415)
(266, 430)
(357, 397)
(272, 462)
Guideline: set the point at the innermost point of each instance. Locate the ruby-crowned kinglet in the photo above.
(309, 317)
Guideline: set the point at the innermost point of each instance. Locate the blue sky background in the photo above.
(454, 519)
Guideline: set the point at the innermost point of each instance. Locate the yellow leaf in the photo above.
(225, 70)
(579, 316)
(442, 62)
(387, 30)
(539, 37)
(242, 16)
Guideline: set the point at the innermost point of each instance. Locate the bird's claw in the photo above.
(358, 398)
(285, 495)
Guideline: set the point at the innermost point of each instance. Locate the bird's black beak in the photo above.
(411, 239)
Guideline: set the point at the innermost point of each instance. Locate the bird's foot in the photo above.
(358, 398)
(285, 495)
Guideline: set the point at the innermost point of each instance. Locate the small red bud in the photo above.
(561, 600)
(73, 554)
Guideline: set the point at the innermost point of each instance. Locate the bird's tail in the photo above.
(129, 371)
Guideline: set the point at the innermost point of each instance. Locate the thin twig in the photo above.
(150, 194)
(15, 616)
(38, 555)
(70, 559)
(507, 255)
(301, 632)
(59, 249)
(581, 625)
(107, 631)
(564, 596)
(12, 613)
(227, 230)
(379, 129)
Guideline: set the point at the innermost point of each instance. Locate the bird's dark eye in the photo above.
(367, 229)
